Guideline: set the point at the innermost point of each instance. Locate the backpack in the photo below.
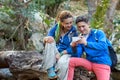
(112, 52)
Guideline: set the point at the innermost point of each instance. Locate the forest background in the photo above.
(21, 19)
(24, 23)
(18, 19)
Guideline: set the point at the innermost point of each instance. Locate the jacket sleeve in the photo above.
(51, 32)
(69, 50)
(75, 32)
(100, 44)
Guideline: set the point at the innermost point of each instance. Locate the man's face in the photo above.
(83, 27)
(67, 23)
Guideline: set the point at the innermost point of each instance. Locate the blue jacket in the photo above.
(64, 41)
(96, 49)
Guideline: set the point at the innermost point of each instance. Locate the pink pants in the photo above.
(101, 71)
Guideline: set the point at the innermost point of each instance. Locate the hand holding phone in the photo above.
(74, 39)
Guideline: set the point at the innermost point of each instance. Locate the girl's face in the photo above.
(83, 27)
(67, 23)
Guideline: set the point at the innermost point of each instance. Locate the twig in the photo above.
(15, 31)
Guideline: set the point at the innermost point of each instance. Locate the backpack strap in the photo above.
(95, 32)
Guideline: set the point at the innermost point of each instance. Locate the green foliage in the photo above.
(50, 7)
(15, 14)
(116, 23)
(15, 18)
(46, 19)
(50, 3)
(100, 14)
(8, 10)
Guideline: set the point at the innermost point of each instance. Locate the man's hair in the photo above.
(81, 19)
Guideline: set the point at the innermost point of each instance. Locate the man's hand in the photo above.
(73, 44)
(82, 41)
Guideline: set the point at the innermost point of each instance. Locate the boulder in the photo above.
(83, 74)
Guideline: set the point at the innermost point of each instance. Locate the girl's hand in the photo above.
(58, 56)
(48, 39)
(64, 52)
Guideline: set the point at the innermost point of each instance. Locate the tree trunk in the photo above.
(91, 8)
(110, 16)
(118, 5)
(21, 33)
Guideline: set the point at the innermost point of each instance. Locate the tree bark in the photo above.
(118, 5)
(3, 62)
(111, 10)
(91, 8)
(110, 16)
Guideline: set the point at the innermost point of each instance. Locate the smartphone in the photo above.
(74, 39)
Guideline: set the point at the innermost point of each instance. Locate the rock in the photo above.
(37, 41)
(5, 74)
(83, 74)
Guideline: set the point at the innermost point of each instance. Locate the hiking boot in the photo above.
(51, 73)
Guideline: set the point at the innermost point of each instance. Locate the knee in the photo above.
(72, 62)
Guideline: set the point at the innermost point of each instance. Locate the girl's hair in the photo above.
(63, 15)
(81, 19)
(60, 18)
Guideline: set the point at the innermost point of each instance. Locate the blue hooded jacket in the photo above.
(96, 49)
(64, 41)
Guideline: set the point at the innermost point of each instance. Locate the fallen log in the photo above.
(3, 62)
(24, 65)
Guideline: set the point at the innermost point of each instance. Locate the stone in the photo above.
(83, 74)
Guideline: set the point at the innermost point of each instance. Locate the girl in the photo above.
(57, 43)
